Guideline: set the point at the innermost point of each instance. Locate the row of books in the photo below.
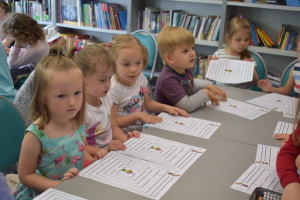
(40, 10)
(202, 27)
(201, 66)
(77, 40)
(92, 13)
(275, 2)
(285, 40)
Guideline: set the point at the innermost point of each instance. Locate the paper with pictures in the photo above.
(239, 108)
(187, 125)
(284, 128)
(149, 166)
(266, 155)
(258, 176)
(290, 112)
(53, 194)
(275, 101)
(230, 71)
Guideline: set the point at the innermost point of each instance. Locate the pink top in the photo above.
(31, 54)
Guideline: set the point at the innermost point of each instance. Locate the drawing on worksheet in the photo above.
(149, 166)
(284, 128)
(230, 71)
(239, 108)
(258, 176)
(266, 155)
(289, 112)
(53, 194)
(187, 125)
(275, 101)
(163, 151)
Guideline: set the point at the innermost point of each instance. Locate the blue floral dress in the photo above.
(57, 157)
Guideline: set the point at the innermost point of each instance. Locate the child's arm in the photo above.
(119, 134)
(95, 152)
(30, 152)
(124, 121)
(156, 107)
(266, 85)
(291, 192)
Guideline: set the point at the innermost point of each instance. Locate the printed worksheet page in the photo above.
(230, 71)
(284, 128)
(53, 194)
(187, 125)
(266, 155)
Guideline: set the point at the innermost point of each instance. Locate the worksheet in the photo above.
(275, 101)
(239, 108)
(53, 194)
(266, 155)
(187, 125)
(290, 112)
(230, 71)
(149, 166)
(258, 176)
(284, 128)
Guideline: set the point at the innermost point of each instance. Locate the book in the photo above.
(216, 33)
(123, 19)
(69, 13)
(286, 35)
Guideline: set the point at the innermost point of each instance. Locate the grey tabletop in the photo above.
(230, 151)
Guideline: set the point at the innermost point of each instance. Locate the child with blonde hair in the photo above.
(30, 44)
(103, 135)
(53, 147)
(293, 82)
(129, 91)
(238, 39)
(175, 85)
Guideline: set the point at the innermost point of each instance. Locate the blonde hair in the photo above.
(120, 42)
(91, 56)
(23, 28)
(170, 38)
(297, 40)
(57, 63)
(239, 23)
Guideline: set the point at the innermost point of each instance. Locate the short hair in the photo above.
(126, 41)
(239, 23)
(170, 38)
(89, 57)
(53, 62)
(23, 28)
(4, 5)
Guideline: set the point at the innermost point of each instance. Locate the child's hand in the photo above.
(213, 98)
(217, 91)
(132, 134)
(70, 173)
(282, 137)
(175, 111)
(96, 152)
(116, 145)
(150, 119)
(210, 58)
(265, 85)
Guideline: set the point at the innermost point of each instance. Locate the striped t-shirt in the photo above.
(296, 74)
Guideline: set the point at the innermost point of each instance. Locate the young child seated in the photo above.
(129, 91)
(103, 135)
(238, 39)
(175, 85)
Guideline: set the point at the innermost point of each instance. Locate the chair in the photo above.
(285, 75)
(12, 133)
(261, 68)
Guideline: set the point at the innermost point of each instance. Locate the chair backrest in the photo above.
(285, 75)
(261, 68)
(149, 41)
(12, 132)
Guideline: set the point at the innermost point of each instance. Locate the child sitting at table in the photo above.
(238, 39)
(175, 85)
(287, 163)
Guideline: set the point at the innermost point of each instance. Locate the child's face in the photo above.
(98, 83)
(298, 51)
(183, 57)
(239, 41)
(130, 64)
(2, 14)
(64, 96)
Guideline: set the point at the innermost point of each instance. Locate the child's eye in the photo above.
(138, 63)
(193, 48)
(103, 80)
(126, 64)
(185, 51)
(61, 96)
(77, 93)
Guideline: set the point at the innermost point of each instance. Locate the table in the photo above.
(230, 151)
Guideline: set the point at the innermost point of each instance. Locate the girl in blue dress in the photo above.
(53, 149)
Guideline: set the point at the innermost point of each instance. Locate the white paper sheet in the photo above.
(53, 194)
(275, 101)
(266, 155)
(240, 108)
(290, 112)
(258, 176)
(187, 125)
(230, 71)
(284, 128)
(149, 166)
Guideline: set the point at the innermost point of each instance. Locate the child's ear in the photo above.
(168, 58)
(227, 38)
